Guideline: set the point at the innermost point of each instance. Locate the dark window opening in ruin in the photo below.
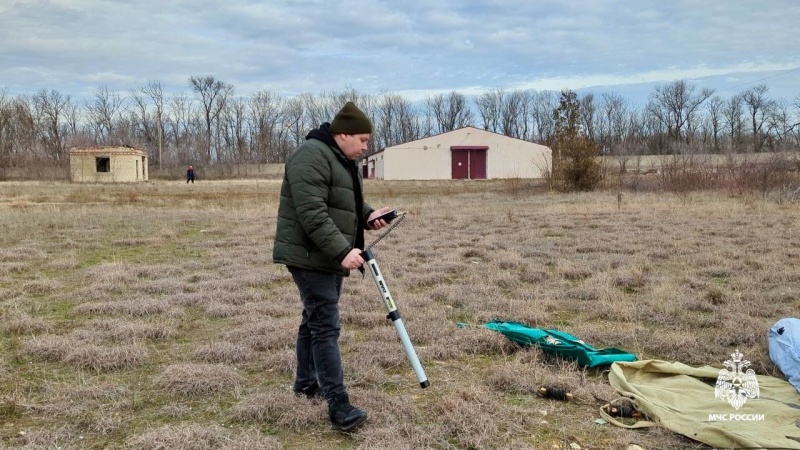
(103, 163)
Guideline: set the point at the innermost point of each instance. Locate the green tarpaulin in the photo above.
(682, 399)
(559, 343)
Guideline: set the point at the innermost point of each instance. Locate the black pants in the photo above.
(318, 355)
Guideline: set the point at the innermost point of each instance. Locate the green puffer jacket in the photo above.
(317, 222)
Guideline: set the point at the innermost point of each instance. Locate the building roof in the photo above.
(106, 150)
(476, 142)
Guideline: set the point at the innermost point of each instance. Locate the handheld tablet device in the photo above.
(387, 216)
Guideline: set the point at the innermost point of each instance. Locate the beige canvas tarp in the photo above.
(681, 398)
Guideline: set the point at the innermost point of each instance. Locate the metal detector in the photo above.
(391, 308)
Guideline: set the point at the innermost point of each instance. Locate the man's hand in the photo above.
(378, 224)
(353, 260)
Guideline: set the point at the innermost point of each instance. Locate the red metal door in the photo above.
(477, 164)
(460, 165)
(469, 161)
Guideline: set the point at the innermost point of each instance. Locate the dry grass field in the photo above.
(150, 316)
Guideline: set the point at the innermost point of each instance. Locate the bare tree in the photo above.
(715, 108)
(180, 120)
(140, 117)
(73, 119)
(396, 122)
(269, 123)
(213, 94)
(490, 106)
(588, 111)
(316, 112)
(408, 126)
(294, 125)
(512, 114)
(506, 113)
(524, 120)
(155, 91)
(758, 109)
(675, 106)
(612, 124)
(635, 140)
(544, 102)
(24, 131)
(50, 109)
(449, 112)
(732, 113)
(794, 129)
(105, 110)
(779, 126)
(233, 120)
(387, 119)
(6, 131)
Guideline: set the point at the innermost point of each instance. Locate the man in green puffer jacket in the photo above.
(320, 236)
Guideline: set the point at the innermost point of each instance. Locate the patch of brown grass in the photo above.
(390, 412)
(49, 347)
(282, 409)
(198, 379)
(80, 350)
(46, 438)
(165, 287)
(42, 287)
(136, 307)
(9, 268)
(25, 324)
(200, 437)
(25, 251)
(111, 273)
(10, 407)
(93, 404)
(116, 330)
(265, 335)
(282, 362)
(222, 352)
(472, 419)
(102, 359)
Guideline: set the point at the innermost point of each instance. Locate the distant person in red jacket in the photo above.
(190, 175)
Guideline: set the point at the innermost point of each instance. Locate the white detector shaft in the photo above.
(394, 316)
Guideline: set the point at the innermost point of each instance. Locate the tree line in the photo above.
(209, 124)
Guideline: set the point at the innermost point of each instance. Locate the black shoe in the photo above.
(311, 392)
(344, 416)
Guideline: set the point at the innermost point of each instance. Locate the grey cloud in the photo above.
(417, 45)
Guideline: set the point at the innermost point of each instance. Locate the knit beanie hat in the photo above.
(350, 120)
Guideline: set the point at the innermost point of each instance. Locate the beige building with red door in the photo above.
(107, 164)
(466, 153)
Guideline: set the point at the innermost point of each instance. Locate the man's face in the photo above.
(353, 145)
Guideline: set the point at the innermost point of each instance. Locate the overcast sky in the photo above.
(410, 47)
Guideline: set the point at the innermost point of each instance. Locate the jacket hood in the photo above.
(323, 134)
